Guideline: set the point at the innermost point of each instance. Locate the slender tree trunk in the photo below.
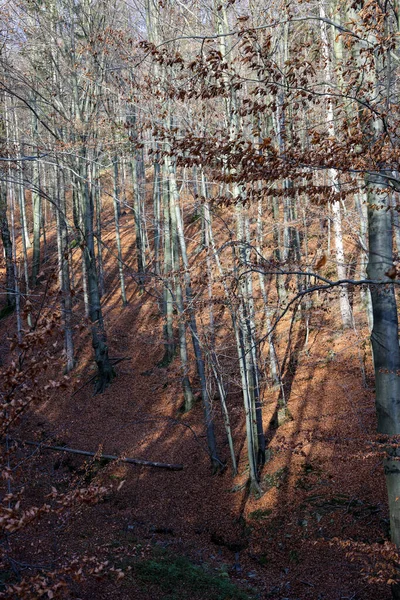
(11, 196)
(156, 211)
(242, 321)
(216, 368)
(99, 243)
(99, 338)
(138, 208)
(19, 191)
(345, 308)
(36, 209)
(77, 211)
(169, 343)
(66, 298)
(396, 224)
(43, 214)
(273, 359)
(362, 205)
(208, 416)
(186, 386)
(8, 248)
(117, 212)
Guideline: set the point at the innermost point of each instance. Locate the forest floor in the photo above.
(316, 531)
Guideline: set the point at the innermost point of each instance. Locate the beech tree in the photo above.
(224, 141)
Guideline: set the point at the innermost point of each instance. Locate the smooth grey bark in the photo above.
(19, 191)
(362, 206)
(22, 208)
(86, 301)
(183, 350)
(36, 208)
(77, 213)
(345, 308)
(21, 187)
(384, 338)
(242, 321)
(212, 354)
(16, 277)
(64, 273)
(99, 338)
(168, 302)
(208, 413)
(11, 197)
(282, 136)
(43, 213)
(117, 212)
(138, 208)
(280, 283)
(156, 210)
(248, 344)
(273, 359)
(385, 333)
(99, 243)
(8, 248)
(57, 197)
(396, 223)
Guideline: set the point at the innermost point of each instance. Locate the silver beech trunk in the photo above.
(384, 338)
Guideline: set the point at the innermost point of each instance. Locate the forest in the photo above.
(199, 289)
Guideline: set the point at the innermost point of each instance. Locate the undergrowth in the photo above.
(177, 578)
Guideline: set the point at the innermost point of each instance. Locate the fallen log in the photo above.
(131, 461)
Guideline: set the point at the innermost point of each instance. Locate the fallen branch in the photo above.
(132, 461)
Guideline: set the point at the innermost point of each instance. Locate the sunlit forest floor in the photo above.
(313, 534)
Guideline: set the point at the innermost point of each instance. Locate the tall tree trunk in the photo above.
(362, 205)
(168, 308)
(208, 415)
(117, 212)
(212, 354)
(11, 196)
(65, 283)
(156, 210)
(8, 248)
(99, 243)
(242, 321)
(183, 351)
(138, 207)
(36, 208)
(384, 338)
(345, 308)
(99, 337)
